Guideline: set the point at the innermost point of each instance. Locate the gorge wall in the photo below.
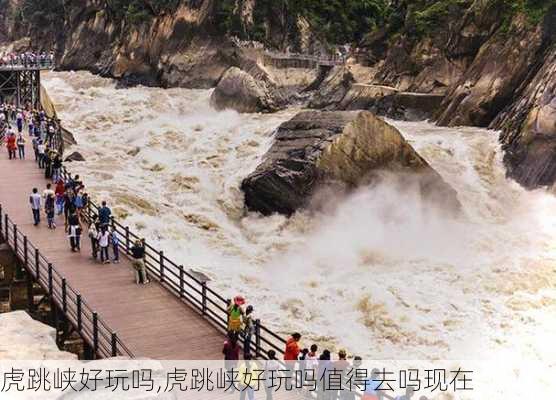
(491, 60)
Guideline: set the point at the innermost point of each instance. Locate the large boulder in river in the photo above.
(243, 92)
(350, 148)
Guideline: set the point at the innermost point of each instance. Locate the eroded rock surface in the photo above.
(346, 148)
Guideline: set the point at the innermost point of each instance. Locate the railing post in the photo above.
(79, 316)
(182, 282)
(6, 228)
(25, 255)
(37, 265)
(127, 243)
(50, 286)
(95, 332)
(204, 298)
(161, 262)
(64, 296)
(15, 240)
(257, 338)
(114, 344)
(1, 220)
(112, 223)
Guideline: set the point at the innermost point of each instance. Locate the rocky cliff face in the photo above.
(317, 151)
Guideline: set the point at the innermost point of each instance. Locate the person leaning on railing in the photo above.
(138, 254)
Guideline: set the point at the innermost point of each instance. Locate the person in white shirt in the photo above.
(41, 148)
(48, 191)
(35, 201)
(103, 242)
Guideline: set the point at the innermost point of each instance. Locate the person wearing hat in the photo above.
(248, 330)
(235, 314)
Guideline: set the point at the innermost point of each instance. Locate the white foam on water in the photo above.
(383, 274)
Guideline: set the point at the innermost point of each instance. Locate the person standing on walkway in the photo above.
(138, 254)
(78, 202)
(60, 192)
(246, 378)
(49, 203)
(21, 146)
(19, 121)
(271, 370)
(41, 148)
(291, 353)
(35, 201)
(74, 232)
(48, 191)
(231, 357)
(115, 241)
(56, 167)
(93, 235)
(248, 330)
(235, 314)
(35, 143)
(104, 214)
(104, 242)
(11, 144)
(31, 124)
(69, 207)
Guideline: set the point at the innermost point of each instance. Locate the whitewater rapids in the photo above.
(383, 274)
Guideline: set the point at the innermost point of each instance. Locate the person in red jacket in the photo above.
(12, 146)
(292, 347)
(290, 356)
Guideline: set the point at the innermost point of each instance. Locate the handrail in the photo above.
(19, 64)
(321, 60)
(181, 283)
(103, 340)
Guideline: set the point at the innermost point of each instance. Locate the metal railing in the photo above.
(27, 63)
(186, 286)
(319, 60)
(86, 321)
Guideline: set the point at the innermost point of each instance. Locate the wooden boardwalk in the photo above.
(149, 320)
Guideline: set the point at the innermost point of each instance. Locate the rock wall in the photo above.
(318, 150)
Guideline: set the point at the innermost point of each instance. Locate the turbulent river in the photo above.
(382, 274)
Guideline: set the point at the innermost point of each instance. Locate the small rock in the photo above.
(75, 156)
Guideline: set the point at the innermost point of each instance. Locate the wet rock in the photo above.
(388, 101)
(529, 129)
(240, 91)
(75, 156)
(23, 338)
(342, 150)
(331, 88)
(488, 86)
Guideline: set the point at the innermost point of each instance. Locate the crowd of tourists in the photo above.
(27, 59)
(297, 363)
(63, 195)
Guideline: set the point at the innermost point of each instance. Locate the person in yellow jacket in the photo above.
(235, 315)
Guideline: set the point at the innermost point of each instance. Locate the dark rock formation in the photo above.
(240, 91)
(317, 149)
(529, 129)
(75, 156)
(388, 101)
(332, 89)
